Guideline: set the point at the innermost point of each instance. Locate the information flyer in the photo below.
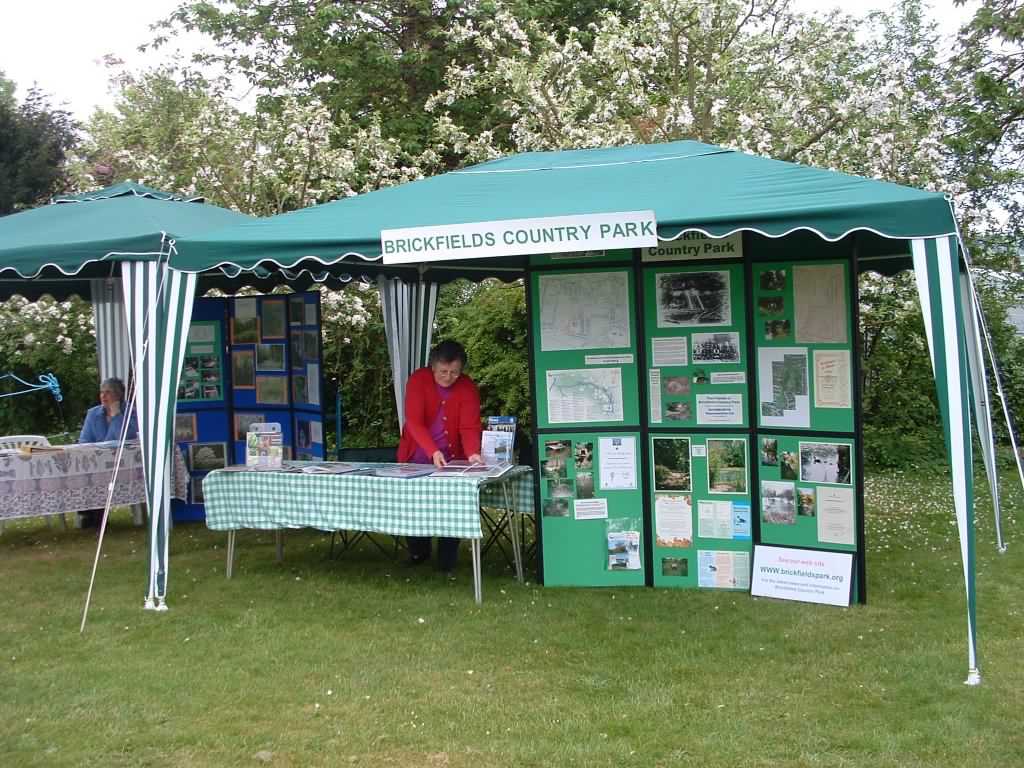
(617, 463)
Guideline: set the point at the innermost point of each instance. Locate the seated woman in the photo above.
(103, 422)
(442, 422)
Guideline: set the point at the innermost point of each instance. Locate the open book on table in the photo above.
(463, 468)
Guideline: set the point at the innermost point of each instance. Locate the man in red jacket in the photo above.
(442, 422)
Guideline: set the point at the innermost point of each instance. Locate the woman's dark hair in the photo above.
(448, 352)
(115, 385)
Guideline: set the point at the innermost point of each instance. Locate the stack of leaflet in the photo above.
(498, 440)
(263, 446)
(468, 469)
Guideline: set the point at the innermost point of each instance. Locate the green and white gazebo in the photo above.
(437, 228)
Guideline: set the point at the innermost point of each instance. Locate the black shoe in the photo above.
(412, 562)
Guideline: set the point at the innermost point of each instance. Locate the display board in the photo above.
(696, 347)
(802, 322)
(738, 376)
(584, 332)
(699, 502)
(248, 359)
(591, 508)
(808, 491)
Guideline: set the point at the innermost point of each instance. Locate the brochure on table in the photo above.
(702, 345)
(248, 360)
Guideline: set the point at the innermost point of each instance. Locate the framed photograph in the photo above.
(727, 465)
(274, 320)
(243, 369)
(776, 330)
(272, 390)
(772, 280)
(245, 330)
(197, 490)
(296, 310)
(769, 452)
(710, 348)
(185, 427)
(693, 299)
(203, 457)
(270, 357)
(245, 420)
(671, 464)
(825, 463)
(771, 305)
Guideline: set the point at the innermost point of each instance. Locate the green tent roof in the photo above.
(123, 221)
(687, 184)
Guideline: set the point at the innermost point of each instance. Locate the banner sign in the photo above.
(518, 237)
(696, 245)
(805, 575)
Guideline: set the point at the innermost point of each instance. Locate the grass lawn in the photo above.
(359, 661)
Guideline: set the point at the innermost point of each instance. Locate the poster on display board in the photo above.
(591, 515)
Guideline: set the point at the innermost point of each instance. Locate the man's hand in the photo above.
(475, 459)
(438, 459)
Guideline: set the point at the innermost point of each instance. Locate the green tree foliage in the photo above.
(35, 139)
(40, 337)
(489, 319)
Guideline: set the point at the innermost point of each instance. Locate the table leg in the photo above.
(279, 538)
(477, 591)
(517, 552)
(231, 553)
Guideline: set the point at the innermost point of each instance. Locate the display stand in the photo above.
(248, 359)
(730, 370)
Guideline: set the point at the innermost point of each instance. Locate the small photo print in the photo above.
(185, 427)
(727, 465)
(556, 457)
(311, 344)
(204, 457)
(769, 452)
(789, 466)
(675, 566)
(778, 502)
(775, 330)
(772, 280)
(583, 455)
(556, 507)
(676, 385)
(671, 463)
(700, 376)
(679, 411)
(197, 490)
(298, 389)
(561, 488)
(711, 348)
(243, 369)
(211, 392)
(270, 357)
(825, 463)
(771, 305)
(805, 497)
(296, 350)
(584, 485)
(245, 330)
(190, 368)
(243, 421)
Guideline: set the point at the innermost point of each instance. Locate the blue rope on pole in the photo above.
(47, 381)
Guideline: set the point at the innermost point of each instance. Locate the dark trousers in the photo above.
(447, 550)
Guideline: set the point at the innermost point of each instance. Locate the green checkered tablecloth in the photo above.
(421, 506)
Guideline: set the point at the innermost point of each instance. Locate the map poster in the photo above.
(584, 395)
(584, 310)
(782, 383)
